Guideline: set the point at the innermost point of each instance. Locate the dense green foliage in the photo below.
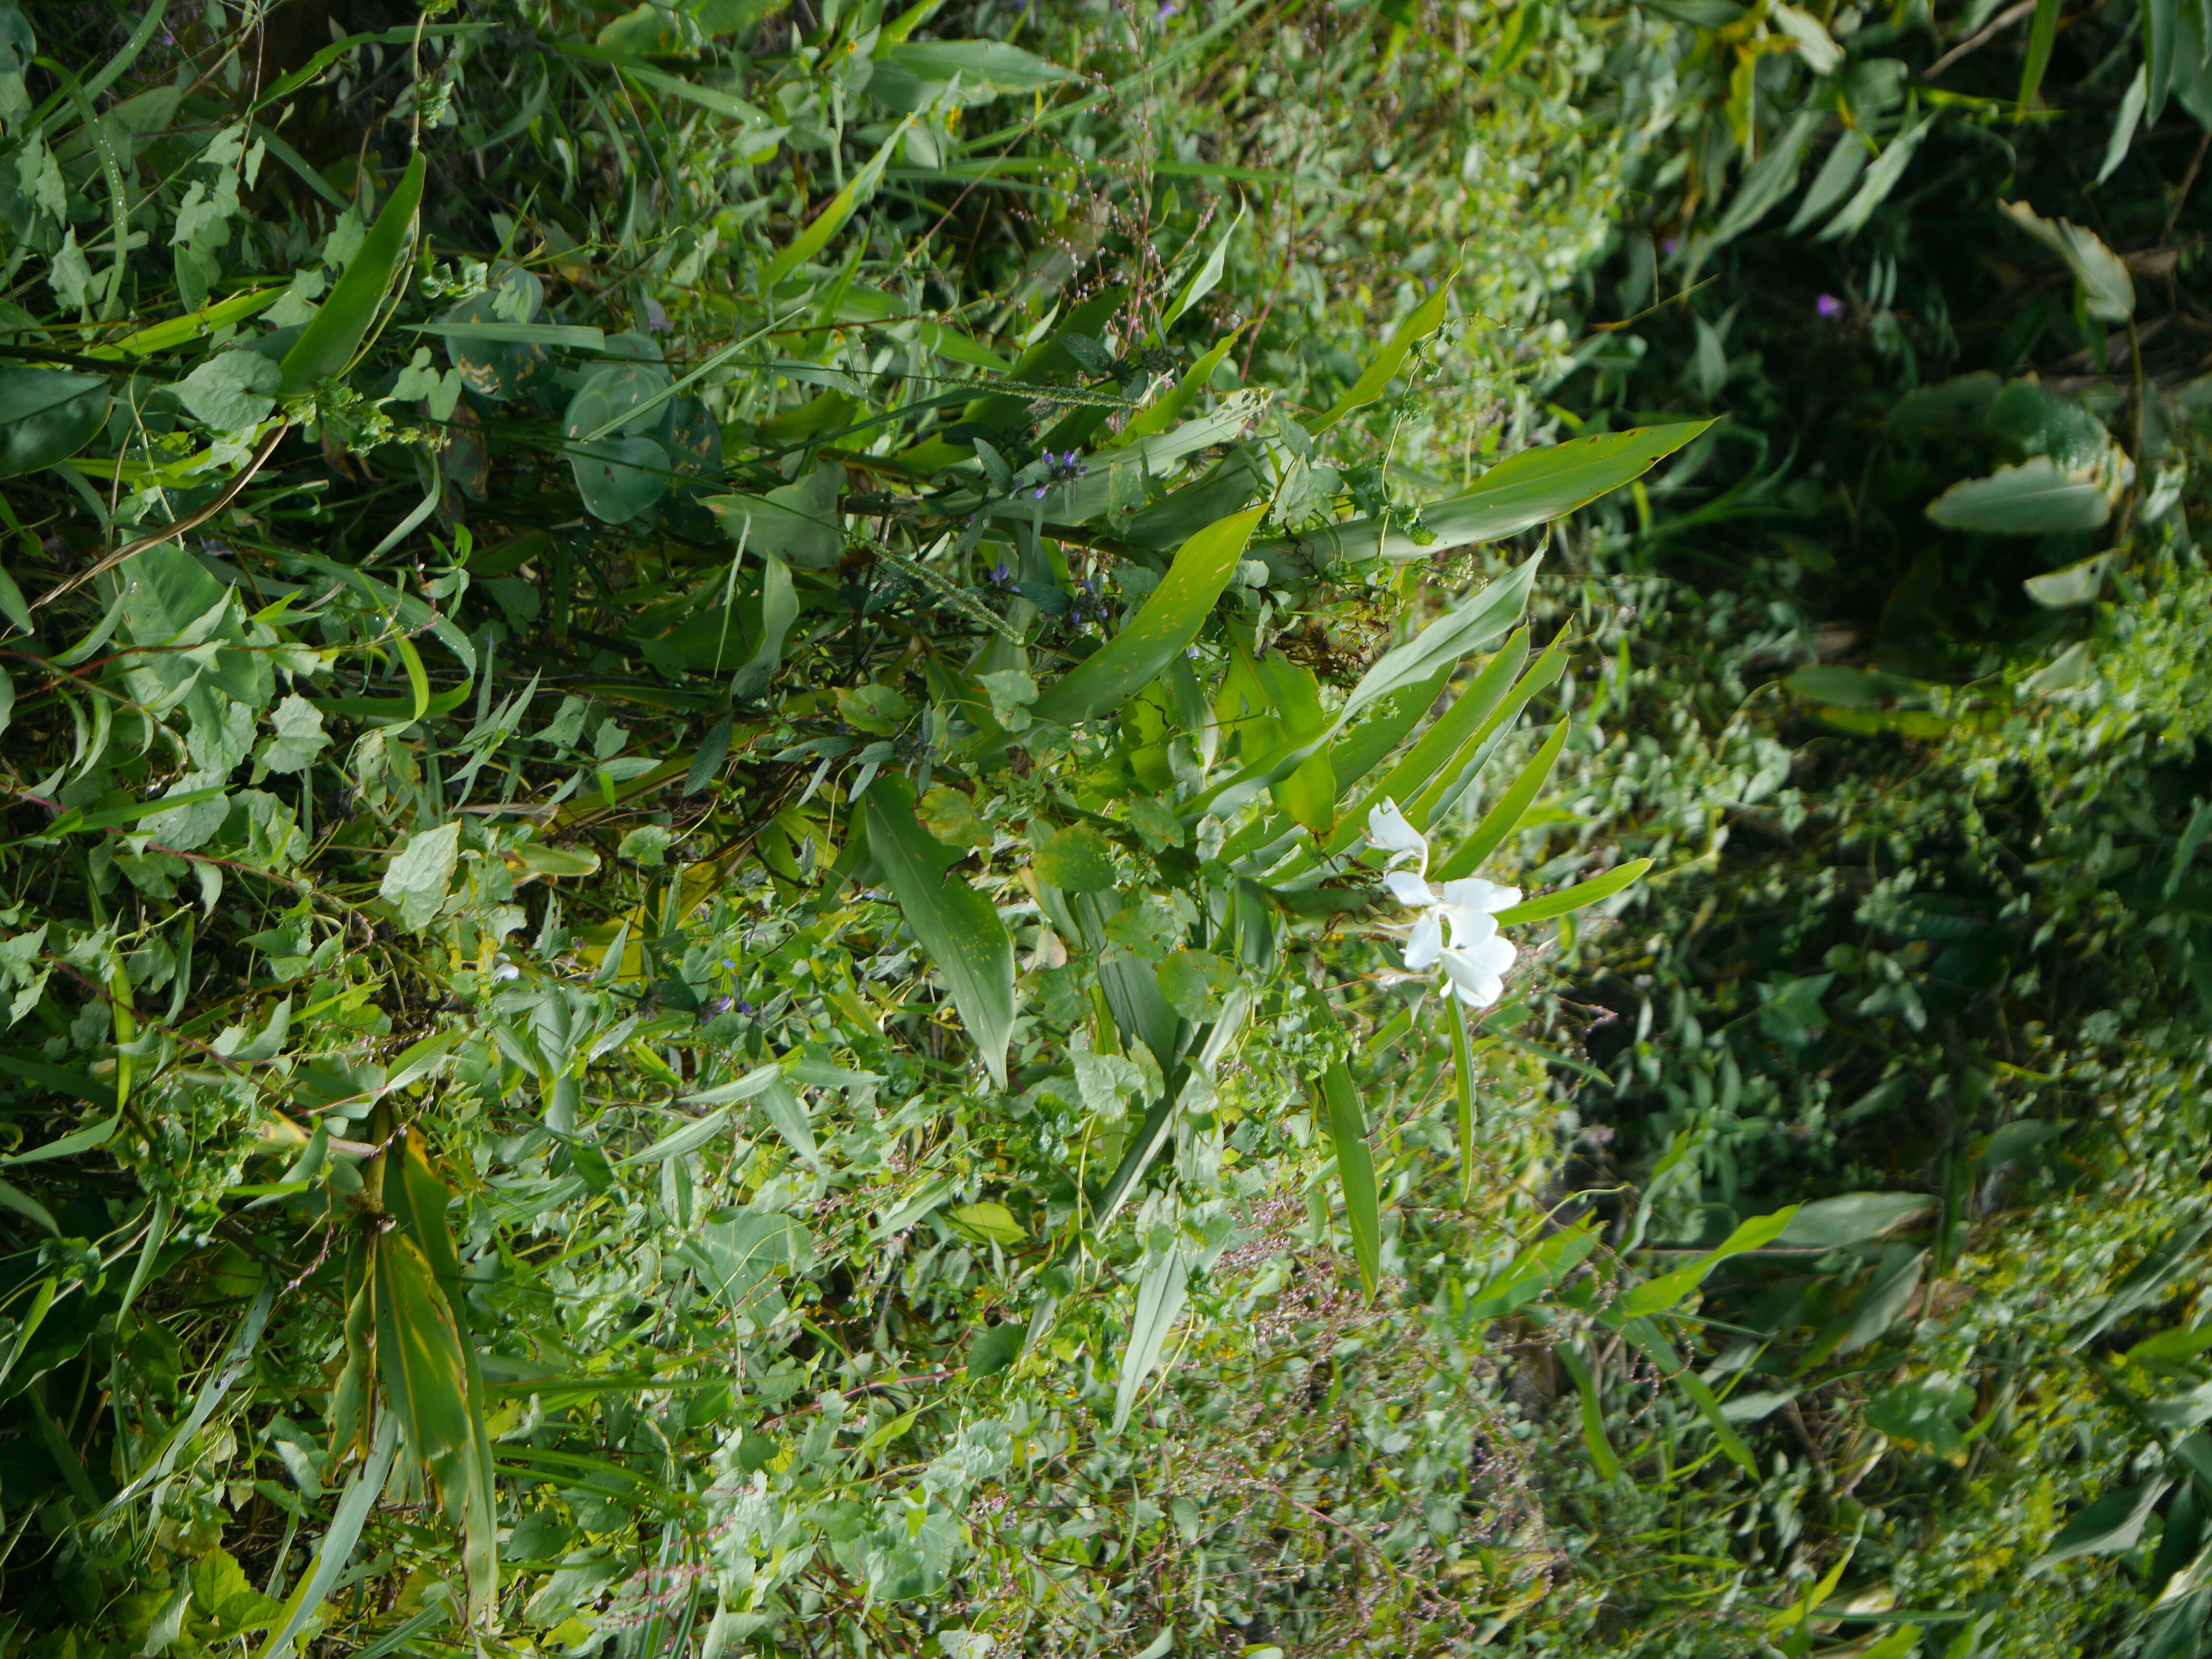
(697, 950)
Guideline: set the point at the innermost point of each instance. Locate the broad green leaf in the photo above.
(1167, 623)
(1657, 1295)
(1163, 413)
(1539, 485)
(325, 347)
(426, 1371)
(1504, 815)
(619, 477)
(1853, 1218)
(47, 415)
(1160, 1298)
(183, 331)
(1593, 1412)
(1579, 897)
(1375, 380)
(2034, 498)
(681, 1142)
(1355, 1168)
(566, 337)
(990, 66)
(1845, 161)
(1077, 859)
(956, 926)
(783, 1109)
(1534, 1269)
(421, 1060)
(1361, 750)
(2106, 288)
(990, 1221)
(78, 1086)
(1487, 613)
(232, 390)
(15, 1198)
(2124, 122)
(2111, 1526)
(415, 881)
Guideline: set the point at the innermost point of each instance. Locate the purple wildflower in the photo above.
(1668, 246)
(655, 317)
(1828, 306)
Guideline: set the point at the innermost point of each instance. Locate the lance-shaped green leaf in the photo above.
(1581, 896)
(828, 222)
(956, 926)
(2042, 35)
(1202, 280)
(417, 1201)
(1593, 1413)
(1355, 1170)
(1160, 1299)
(1532, 487)
(1167, 623)
(2107, 290)
(1657, 1295)
(418, 1353)
(325, 347)
(1375, 380)
(1506, 812)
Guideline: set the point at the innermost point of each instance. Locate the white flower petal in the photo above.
(1409, 889)
(1468, 925)
(1493, 957)
(1474, 987)
(1477, 894)
(1387, 829)
(1426, 944)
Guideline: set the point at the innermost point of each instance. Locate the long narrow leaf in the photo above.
(1429, 757)
(1355, 1170)
(1505, 814)
(1579, 897)
(330, 1555)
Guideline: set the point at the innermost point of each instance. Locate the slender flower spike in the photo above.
(1456, 928)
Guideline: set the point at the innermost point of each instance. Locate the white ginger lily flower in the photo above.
(1457, 927)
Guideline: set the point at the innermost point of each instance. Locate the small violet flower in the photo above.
(1457, 927)
(656, 318)
(1828, 306)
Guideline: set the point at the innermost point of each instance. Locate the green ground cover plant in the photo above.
(750, 750)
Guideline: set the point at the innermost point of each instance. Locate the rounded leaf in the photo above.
(619, 477)
(47, 415)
